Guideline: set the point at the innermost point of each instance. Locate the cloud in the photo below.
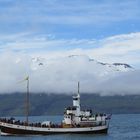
(10, 73)
(60, 75)
(121, 48)
(123, 84)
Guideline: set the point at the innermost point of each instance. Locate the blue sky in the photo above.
(52, 25)
(70, 19)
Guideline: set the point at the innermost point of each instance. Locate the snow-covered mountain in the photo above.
(80, 62)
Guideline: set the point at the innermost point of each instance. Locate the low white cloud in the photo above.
(62, 74)
(54, 71)
(122, 84)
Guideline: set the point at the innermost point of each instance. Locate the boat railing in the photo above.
(52, 125)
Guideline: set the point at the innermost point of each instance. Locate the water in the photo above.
(122, 127)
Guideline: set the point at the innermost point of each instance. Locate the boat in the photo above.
(75, 121)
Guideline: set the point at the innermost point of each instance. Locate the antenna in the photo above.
(78, 87)
(27, 100)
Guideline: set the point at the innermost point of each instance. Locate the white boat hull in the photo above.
(12, 129)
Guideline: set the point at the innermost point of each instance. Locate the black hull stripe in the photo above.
(14, 131)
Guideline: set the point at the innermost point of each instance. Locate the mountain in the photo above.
(80, 60)
(54, 104)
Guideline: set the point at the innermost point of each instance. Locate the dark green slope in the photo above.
(53, 104)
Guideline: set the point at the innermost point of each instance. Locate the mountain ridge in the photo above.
(119, 66)
(54, 104)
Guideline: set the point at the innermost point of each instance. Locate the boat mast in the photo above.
(27, 100)
(78, 87)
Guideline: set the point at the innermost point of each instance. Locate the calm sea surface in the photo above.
(122, 127)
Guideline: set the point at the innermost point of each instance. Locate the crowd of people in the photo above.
(24, 123)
